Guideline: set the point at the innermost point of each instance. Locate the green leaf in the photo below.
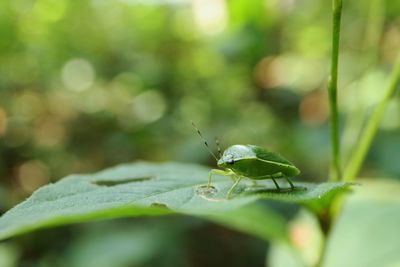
(9, 255)
(305, 247)
(151, 189)
(121, 245)
(368, 230)
(255, 219)
(283, 255)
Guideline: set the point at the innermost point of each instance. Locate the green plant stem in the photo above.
(372, 126)
(332, 89)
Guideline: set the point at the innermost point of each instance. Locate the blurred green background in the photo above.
(90, 84)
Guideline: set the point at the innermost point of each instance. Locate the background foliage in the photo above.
(89, 84)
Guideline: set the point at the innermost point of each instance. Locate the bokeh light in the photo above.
(78, 75)
(210, 16)
(149, 106)
(32, 175)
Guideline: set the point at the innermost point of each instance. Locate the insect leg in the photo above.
(209, 179)
(276, 184)
(290, 182)
(228, 195)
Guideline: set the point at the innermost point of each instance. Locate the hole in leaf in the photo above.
(125, 181)
(158, 205)
(206, 190)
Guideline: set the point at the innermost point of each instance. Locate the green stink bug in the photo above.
(250, 161)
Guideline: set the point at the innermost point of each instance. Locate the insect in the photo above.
(250, 161)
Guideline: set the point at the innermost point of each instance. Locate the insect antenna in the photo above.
(204, 140)
(218, 146)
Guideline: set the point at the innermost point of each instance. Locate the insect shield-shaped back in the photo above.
(256, 162)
